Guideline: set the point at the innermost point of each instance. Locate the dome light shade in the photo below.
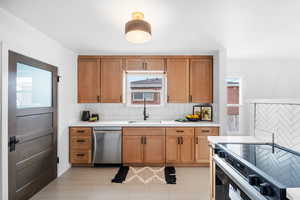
(137, 30)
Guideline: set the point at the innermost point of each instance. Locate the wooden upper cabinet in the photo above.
(201, 80)
(135, 64)
(111, 80)
(154, 149)
(178, 80)
(132, 149)
(88, 80)
(145, 63)
(155, 64)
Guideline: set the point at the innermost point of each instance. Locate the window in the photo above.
(145, 86)
(34, 87)
(233, 104)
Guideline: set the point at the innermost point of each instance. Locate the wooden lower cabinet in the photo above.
(187, 149)
(80, 145)
(180, 145)
(144, 146)
(154, 150)
(172, 149)
(133, 149)
(201, 143)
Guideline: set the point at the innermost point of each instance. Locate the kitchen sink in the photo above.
(145, 122)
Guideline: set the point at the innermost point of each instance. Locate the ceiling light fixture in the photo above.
(137, 30)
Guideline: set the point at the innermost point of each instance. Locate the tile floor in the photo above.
(95, 184)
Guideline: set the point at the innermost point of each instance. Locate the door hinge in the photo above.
(58, 78)
(57, 160)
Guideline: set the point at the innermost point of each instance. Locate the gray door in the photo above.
(32, 125)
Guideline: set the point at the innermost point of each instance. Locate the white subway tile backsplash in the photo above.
(123, 112)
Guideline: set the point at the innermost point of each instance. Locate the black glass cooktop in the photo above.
(282, 165)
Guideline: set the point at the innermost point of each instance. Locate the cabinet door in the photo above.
(111, 80)
(132, 149)
(154, 150)
(155, 64)
(172, 149)
(187, 148)
(202, 149)
(88, 80)
(201, 143)
(135, 64)
(201, 80)
(178, 80)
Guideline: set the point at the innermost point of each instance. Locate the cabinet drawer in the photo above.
(81, 142)
(83, 157)
(80, 131)
(207, 131)
(180, 131)
(143, 131)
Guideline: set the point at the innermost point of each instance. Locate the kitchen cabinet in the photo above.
(145, 64)
(133, 149)
(144, 146)
(201, 80)
(80, 145)
(154, 149)
(88, 80)
(111, 80)
(201, 143)
(180, 145)
(178, 80)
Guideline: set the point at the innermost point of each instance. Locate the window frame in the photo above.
(240, 105)
(127, 90)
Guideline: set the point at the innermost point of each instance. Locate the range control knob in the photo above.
(222, 154)
(266, 189)
(254, 180)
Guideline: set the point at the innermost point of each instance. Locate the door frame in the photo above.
(13, 58)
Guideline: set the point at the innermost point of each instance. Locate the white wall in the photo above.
(22, 38)
(265, 79)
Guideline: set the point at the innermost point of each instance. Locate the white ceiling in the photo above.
(256, 28)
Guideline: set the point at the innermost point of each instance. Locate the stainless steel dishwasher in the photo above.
(107, 144)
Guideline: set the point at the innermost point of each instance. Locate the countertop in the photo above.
(149, 123)
(292, 193)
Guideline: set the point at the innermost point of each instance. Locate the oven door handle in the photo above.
(237, 178)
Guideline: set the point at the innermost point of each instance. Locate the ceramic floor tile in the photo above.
(95, 184)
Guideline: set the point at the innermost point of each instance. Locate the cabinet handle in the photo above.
(178, 140)
(80, 154)
(168, 98)
(121, 98)
(80, 131)
(197, 142)
(142, 140)
(145, 140)
(181, 140)
(205, 131)
(179, 131)
(98, 98)
(81, 141)
(191, 98)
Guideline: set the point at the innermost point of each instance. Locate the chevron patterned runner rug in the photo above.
(146, 175)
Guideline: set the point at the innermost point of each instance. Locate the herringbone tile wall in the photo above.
(283, 119)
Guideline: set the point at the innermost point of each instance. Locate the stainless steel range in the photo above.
(255, 171)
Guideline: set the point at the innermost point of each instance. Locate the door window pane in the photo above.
(34, 87)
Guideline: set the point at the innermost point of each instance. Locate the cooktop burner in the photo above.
(279, 163)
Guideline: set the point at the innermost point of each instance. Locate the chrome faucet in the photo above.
(145, 111)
